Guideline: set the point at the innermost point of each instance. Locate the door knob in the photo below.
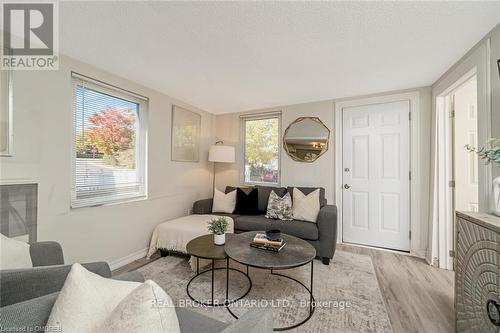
(346, 186)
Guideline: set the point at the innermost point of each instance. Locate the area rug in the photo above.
(348, 298)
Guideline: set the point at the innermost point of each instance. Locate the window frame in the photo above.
(251, 117)
(6, 105)
(140, 147)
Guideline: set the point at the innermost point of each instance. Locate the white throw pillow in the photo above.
(14, 254)
(224, 203)
(91, 303)
(305, 207)
(146, 309)
(85, 301)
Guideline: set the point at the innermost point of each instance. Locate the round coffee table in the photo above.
(296, 253)
(204, 247)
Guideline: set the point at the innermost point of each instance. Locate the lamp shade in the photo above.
(221, 153)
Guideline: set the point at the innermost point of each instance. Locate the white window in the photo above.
(261, 149)
(109, 149)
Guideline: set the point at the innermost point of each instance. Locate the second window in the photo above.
(261, 149)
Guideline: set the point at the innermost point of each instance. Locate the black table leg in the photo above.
(213, 271)
(227, 280)
(312, 305)
(311, 291)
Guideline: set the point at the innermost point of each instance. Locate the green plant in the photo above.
(490, 153)
(218, 225)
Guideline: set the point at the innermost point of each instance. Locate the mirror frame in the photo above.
(298, 120)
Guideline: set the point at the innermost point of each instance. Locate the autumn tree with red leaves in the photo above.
(112, 131)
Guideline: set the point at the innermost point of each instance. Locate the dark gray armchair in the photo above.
(28, 295)
(46, 254)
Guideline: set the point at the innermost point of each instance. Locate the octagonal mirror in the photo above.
(306, 139)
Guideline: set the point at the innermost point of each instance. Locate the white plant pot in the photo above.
(219, 239)
(496, 196)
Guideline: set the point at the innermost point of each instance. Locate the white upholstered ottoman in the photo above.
(174, 235)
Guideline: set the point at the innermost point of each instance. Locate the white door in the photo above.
(465, 132)
(376, 185)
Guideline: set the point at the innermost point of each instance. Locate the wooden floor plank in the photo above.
(419, 297)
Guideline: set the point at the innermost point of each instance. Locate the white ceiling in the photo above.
(235, 56)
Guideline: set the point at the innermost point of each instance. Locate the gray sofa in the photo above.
(28, 295)
(322, 234)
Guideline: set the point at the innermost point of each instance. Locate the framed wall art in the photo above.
(5, 113)
(186, 127)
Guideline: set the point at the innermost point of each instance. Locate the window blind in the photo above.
(108, 144)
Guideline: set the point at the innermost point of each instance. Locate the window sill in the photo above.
(110, 202)
(261, 184)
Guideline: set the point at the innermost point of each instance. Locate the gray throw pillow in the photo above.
(279, 207)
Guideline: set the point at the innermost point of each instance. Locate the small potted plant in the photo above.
(218, 227)
(491, 154)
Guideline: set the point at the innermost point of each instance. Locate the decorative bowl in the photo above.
(273, 234)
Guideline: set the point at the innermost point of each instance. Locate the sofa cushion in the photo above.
(307, 190)
(306, 207)
(246, 203)
(251, 223)
(14, 253)
(94, 297)
(224, 202)
(301, 229)
(280, 207)
(28, 315)
(263, 194)
(147, 308)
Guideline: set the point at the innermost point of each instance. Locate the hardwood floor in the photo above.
(419, 298)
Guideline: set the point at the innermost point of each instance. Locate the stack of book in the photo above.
(261, 241)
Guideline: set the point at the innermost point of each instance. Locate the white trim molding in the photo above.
(418, 216)
(120, 262)
(475, 62)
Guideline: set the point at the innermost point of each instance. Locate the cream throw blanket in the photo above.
(174, 235)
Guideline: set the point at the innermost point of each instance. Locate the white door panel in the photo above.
(465, 163)
(376, 156)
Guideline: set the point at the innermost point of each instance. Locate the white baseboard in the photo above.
(115, 264)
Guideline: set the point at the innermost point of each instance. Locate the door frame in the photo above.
(416, 213)
(478, 61)
(444, 103)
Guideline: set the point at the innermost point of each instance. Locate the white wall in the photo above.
(42, 153)
(319, 173)
(322, 171)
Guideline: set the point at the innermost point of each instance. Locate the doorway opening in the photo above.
(456, 169)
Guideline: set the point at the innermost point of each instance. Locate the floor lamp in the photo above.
(220, 153)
